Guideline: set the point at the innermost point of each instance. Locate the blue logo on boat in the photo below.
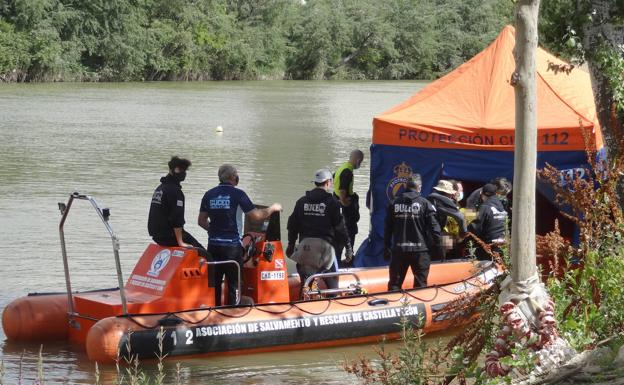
(159, 262)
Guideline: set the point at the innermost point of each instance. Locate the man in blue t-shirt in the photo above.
(221, 214)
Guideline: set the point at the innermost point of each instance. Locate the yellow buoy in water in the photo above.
(219, 129)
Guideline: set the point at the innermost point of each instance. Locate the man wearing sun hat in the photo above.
(318, 224)
(443, 199)
(489, 225)
(446, 206)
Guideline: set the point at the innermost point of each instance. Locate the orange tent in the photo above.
(461, 126)
(473, 106)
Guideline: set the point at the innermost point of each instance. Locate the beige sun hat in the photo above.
(446, 187)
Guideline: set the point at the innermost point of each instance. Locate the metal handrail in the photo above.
(238, 271)
(314, 277)
(104, 215)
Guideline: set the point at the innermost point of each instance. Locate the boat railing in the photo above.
(351, 289)
(104, 214)
(238, 271)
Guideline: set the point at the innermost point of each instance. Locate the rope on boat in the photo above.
(424, 300)
(329, 301)
(366, 298)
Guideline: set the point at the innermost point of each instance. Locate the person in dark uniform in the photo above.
(503, 187)
(443, 199)
(489, 225)
(221, 215)
(349, 200)
(317, 222)
(165, 222)
(411, 235)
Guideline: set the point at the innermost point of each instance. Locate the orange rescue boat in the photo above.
(167, 305)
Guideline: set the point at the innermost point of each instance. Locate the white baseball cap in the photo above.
(322, 175)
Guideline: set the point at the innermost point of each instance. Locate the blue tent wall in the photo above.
(433, 164)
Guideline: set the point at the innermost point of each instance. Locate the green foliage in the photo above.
(121, 40)
(589, 300)
(611, 64)
(563, 27)
(14, 53)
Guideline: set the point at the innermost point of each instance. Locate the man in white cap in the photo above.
(318, 224)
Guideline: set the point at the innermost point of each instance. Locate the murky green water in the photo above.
(113, 141)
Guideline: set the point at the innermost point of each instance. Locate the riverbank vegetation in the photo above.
(134, 40)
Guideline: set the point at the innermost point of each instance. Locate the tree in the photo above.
(525, 158)
(604, 42)
(592, 31)
(525, 306)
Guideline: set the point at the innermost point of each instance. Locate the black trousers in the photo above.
(351, 216)
(227, 253)
(401, 261)
(186, 238)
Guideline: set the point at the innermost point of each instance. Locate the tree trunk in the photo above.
(606, 32)
(525, 158)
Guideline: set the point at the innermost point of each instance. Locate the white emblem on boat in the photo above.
(178, 253)
(159, 262)
(279, 263)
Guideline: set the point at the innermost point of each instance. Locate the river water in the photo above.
(112, 141)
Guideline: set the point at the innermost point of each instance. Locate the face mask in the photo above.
(180, 176)
(460, 196)
(237, 179)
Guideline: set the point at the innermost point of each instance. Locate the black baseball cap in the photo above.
(489, 190)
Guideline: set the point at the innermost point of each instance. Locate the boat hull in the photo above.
(244, 330)
(297, 324)
(36, 318)
(285, 326)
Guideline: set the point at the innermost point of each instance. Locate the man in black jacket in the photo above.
(317, 222)
(446, 206)
(489, 225)
(411, 235)
(165, 223)
(443, 199)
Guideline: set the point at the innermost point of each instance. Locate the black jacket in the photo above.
(489, 225)
(411, 224)
(317, 215)
(166, 209)
(446, 207)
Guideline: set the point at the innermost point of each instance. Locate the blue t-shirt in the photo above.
(225, 205)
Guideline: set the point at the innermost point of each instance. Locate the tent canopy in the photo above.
(473, 107)
(462, 126)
